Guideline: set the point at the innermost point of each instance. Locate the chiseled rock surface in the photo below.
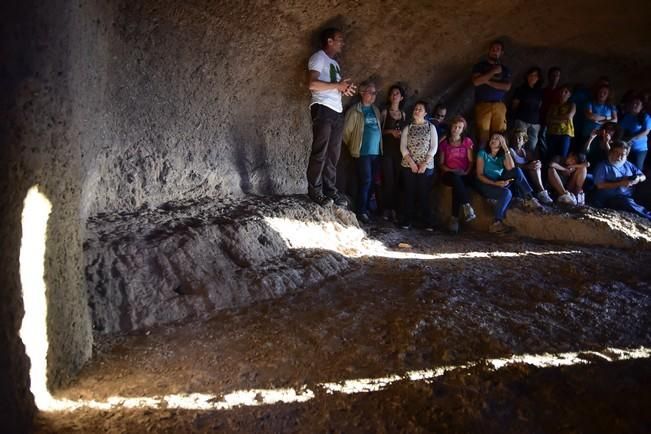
(188, 260)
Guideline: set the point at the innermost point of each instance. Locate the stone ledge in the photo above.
(582, 225)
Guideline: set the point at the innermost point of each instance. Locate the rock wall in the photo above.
(188, 260)
(40, 147)
(202, 98)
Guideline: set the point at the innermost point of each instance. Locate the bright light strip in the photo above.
(351, 241)
(257, 397)
(33, 330)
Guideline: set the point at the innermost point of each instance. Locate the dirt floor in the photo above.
(388, 316)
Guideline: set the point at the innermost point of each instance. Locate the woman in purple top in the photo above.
(527, 101)
(456, 160)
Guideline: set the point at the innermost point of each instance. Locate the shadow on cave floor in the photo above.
(388, 316)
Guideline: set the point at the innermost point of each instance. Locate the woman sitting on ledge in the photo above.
(615, 179)
(495, 172)
(456, 159)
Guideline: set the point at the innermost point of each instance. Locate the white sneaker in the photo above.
(531, 203)
(543, 197)
(566, 199)
(580, 198)
(468, 212)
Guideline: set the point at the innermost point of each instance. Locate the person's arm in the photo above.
(471, 160)
(509, 164)
(433, 147)
(345, 86)
(593, 117)
(349, 126)
(645, 132)
(514, 104)
(570, 114)
(442, 165)
(557, 166)
(588, 142)
(614, 119)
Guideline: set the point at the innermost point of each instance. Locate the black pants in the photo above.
(327, 130)
(391, 177)
(459, 185)
(417, 188)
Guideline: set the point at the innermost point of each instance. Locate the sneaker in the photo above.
(468, 212)
(404, 225)
(364, 218)
(543, 197)
(338, 199)
(321, 199)
(580, 198)
(566, 199)
(498, 227)
(453, 225)
(531, 204)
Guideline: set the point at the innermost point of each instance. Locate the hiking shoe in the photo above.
(566, 199)
(468, 212)
(364, 218)
(338, 199)
(321, 199)
(580, 198)
(531, 204)
(543, 197)
(498, 227)
(453, 225)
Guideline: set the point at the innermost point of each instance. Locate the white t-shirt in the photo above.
(329, 71)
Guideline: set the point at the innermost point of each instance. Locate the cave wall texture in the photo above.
(115, 106)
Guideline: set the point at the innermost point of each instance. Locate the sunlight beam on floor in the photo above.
(257, 397)
(352, 242)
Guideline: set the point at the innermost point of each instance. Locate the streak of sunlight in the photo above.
(33, 330)
(255, 397)
(352, 242)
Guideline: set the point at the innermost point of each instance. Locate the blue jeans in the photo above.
(620, 202)
(558, 145)
(637, 158)
(503, 195)
(367, 169)
(418, 186)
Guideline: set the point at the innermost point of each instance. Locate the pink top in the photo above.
(456, 157)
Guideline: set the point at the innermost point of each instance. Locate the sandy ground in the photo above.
(389, 316)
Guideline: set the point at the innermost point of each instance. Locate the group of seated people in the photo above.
(398, 158)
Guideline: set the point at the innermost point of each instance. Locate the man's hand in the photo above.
(346, 87)
(497, 69)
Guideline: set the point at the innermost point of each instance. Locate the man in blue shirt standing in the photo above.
(492, 81)
(363, 136)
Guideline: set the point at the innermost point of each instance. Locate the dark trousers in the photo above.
(327, 130)
(459, 189)
(367, 169)
(637, 158)
(558, 145)
(620, 202)
(391, 177)
(417, 187)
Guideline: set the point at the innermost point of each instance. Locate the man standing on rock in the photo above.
(492, 81)
(326, 109)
